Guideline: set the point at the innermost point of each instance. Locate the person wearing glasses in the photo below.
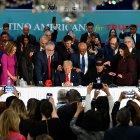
(132, 33)
(46, 63)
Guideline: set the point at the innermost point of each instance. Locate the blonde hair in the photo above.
(9, 121)
(19, 107)
(44, 137)
(9, 47)
(67, 63)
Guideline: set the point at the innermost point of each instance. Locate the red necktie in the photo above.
(68, 51)
(49, 67)
(67, 78)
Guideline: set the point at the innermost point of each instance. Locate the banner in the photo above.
(103, 21)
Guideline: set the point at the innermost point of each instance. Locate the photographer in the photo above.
(49, 124)
(15, 92)
(93, 44)
(132, 33)
(123, 130)
(131, 105)
(103, 104)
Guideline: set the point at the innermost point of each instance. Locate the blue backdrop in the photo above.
(103, 20)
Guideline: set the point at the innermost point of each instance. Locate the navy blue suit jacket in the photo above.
(63, 55)
(90, 75)
(106, 52)
(60, 78)
(75, 58)
(41, 66)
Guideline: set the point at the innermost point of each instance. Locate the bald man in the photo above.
(84, 63)
(26, 32)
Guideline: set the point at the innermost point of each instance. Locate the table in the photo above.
(40, 93)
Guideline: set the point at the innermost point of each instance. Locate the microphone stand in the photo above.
(112, 84)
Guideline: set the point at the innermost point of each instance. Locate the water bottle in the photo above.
(98, 80)
(21, 82)
(8, 82)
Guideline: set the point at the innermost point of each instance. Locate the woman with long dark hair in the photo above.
(126, 67)
(112, 33)
(26, 65)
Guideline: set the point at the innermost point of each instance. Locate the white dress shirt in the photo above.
(134, 36)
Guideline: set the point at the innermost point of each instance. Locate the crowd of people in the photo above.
(71, 62)
(99, 118)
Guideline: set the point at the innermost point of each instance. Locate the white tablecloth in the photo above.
(40, 93)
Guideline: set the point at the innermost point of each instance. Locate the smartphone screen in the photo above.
(8, 89)
(97, 86)
(83, 100)
(48, 95)
(130, 94)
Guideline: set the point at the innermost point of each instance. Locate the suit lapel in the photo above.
(89, 59)
(137, 38)
(44, 57)
(133, 51)
(78, 60)
(72, 76)
(63, 77)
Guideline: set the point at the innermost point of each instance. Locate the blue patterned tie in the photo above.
(83, 64)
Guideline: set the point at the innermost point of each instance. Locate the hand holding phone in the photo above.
(54, 21)
(129, 94)
(97, 86)
(8, 89)
(127, 27)
(83, 100)
(48, 95)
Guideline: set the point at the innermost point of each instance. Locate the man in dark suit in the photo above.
(32, 38)
(90, 30)
(46, 63)
(123, 131)
(136, 56)
(41, 47)
(52, 36)
(68, 76)
(65, 51)
(111, 55)
(102, 72)
(133, 33)
(84, 63)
